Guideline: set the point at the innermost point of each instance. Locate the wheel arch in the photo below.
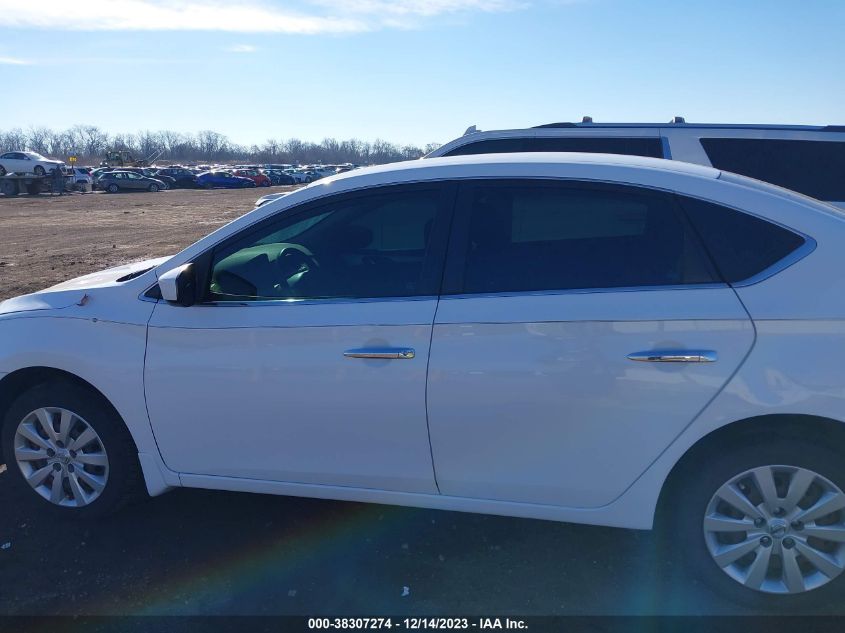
(829, 431)
(16, 382)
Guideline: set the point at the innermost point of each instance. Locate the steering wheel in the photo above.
(294, 261)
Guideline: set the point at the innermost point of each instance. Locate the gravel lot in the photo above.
(47, 239)
(200, 552)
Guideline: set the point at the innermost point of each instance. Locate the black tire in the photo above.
(208, 185)
(685, 501)
(2, 170)
(124, 483)
(153, 188)
(112, 188)
(39, 171)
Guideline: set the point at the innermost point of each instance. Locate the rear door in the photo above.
(581, 330)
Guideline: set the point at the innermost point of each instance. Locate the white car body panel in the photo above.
(96, 328)
(285, 389)
(526, 392)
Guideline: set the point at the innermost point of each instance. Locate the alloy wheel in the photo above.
(777, 529)
(61, 457)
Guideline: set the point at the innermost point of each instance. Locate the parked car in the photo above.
(259, 178)
(150, 172)
(304, 175)
(224, 179)
(27, 163)
(279, 177)
(79, 177)
(599, 339)
(805, 158)
(115, 181)
(270, 197)
(182, 178)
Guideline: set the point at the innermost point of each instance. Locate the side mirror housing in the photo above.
(179, 286)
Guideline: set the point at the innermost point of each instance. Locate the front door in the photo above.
(306, 361)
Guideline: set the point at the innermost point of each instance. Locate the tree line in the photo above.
(89, 144)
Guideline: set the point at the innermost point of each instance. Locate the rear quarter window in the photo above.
(741, 245)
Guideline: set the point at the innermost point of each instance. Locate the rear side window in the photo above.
(534, 236)
(814, 168)
(740, 244)
(636, 146)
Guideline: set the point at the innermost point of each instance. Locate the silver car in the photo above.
(115, 181)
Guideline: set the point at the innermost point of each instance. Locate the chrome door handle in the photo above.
(386, 353)
(675, 356)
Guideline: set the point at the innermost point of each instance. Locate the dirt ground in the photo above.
(47, 239)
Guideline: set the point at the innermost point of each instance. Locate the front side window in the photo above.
(535, 236)
(359, 246)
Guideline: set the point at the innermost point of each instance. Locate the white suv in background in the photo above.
(807, 159)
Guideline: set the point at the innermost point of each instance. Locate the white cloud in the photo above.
(425, 8)
(250, 16)
(174, 15)
(240, 48)
(14, 61)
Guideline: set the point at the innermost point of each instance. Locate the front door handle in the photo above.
(384, 353)
(675, 356)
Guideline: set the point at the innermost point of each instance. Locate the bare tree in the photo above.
(90, 144)
(37, 139)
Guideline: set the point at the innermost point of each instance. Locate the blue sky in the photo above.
(415, 71)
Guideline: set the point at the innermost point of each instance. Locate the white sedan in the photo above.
(27, 163)
(591, 338)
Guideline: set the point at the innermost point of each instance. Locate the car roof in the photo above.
(684, 124)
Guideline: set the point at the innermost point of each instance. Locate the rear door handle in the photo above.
(675, 356)
(385, 353)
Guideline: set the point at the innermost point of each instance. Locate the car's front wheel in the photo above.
(153, 187)
(68, 451)
(764, 523)
(39, 171)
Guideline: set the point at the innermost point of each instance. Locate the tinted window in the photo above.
(602, 145)
(740, 244)
(362, 246)
(814, 168)
(525, 237)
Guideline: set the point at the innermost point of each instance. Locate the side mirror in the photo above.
(179, 285)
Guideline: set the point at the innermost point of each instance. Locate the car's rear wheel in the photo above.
(39, 171)
(2, 171)
(112, 188)
(69, 452)
(153, 187)
(763, 523)
(208, 185)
